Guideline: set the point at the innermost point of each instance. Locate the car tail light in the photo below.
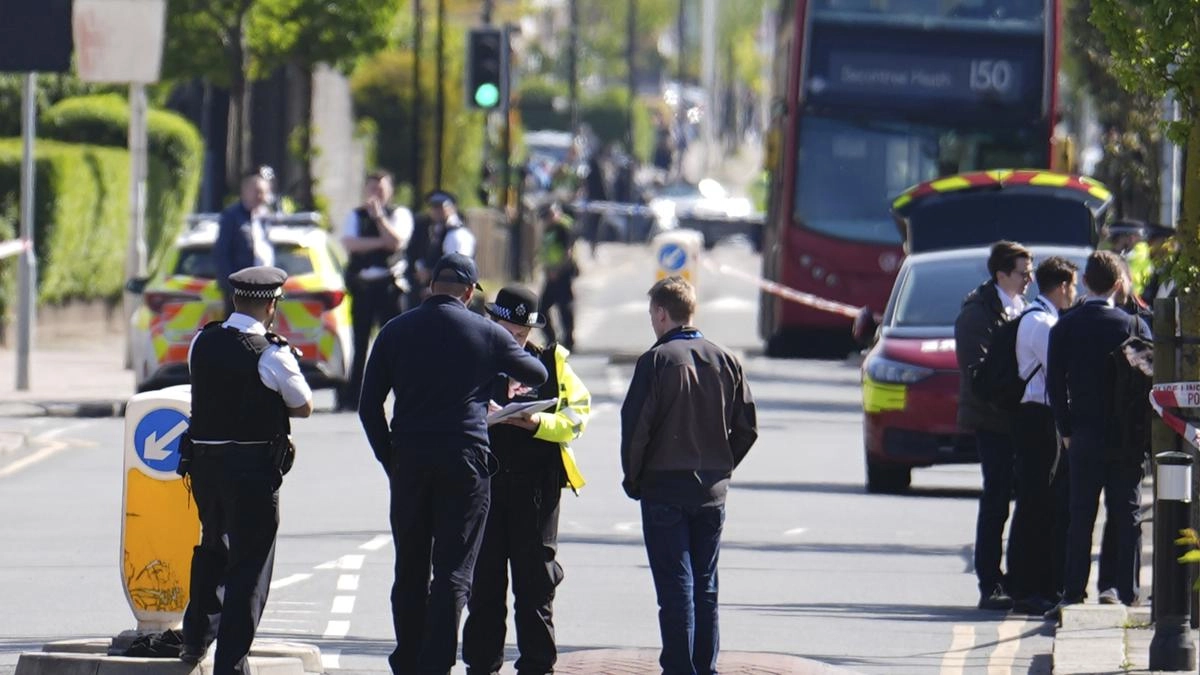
(327, 299)
(156, 300)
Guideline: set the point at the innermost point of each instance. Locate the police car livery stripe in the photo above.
(1000, 178)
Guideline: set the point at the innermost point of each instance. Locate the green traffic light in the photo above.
(487, 95)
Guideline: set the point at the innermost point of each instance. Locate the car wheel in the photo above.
(887, 478)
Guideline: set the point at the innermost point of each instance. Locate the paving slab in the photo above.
(89, 657)
(645, 662)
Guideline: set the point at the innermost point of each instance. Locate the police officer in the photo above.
(246, 384)
(438, 361)
(558, 264)
(372, 234)
(441, 231)
(522, 523)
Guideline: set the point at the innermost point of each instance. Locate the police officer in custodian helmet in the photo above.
(246, 384)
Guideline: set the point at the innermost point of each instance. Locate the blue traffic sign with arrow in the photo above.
(672, 257)
(156, 438)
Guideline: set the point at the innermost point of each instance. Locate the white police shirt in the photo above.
(1033, 341)
(458, 239)
(277, 367)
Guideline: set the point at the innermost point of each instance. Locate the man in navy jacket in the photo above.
(439, 360)
(1080, 344)
(241, 234)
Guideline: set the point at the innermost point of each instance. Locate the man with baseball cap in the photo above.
(439, 361)
(522, 523)
(246, 384)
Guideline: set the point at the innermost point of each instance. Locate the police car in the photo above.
(183, 296)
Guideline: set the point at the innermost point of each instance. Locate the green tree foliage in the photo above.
(1129, 119)
(1153, 46)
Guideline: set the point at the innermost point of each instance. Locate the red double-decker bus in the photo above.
(871, 97)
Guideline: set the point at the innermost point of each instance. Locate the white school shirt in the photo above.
(1033, 342)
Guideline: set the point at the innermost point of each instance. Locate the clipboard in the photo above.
(520, 408)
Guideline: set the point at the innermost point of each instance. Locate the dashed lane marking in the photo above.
(336, 629)
(346, 562)
(347, 582)
(377, 543)
(795, 531)
(955, 659)
(331, 659)
(343, 604)
(289, 580)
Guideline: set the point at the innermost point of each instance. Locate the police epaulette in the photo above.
(276, 339)
(210, 324)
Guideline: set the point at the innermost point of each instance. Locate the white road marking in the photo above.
(1008, 641)
(289, 580)
(343, 604)
(955, 658)
(795, 530)
(337, 629)
(346, 562)
(377, 543)
(273, 620)
(331, 659)
(347, 582)
(634, 526)
(297, 603)
(29, 460)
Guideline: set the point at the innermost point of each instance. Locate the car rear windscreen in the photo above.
(982, 219)
(197, 261)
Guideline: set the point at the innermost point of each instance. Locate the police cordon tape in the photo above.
(13, 247)
(1177, 395)
(787, 293)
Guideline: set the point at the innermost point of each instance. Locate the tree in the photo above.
(1153, 44)
(234, 42)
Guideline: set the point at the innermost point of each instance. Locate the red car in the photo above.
(910, 375)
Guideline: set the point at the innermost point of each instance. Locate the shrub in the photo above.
(81, 216)
(176, 155)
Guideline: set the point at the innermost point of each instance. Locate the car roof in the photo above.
(976, 252)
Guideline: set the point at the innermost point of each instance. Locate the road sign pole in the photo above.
(27, 272)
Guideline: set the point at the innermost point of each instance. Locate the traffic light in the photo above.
(487, 68)
(35, 35)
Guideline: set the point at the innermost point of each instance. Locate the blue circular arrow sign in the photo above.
(672, 257)
(156, 438)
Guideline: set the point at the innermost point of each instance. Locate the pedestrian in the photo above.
(440, 232)
(687, 422)
(1080, 344)
(557, 255)
(246, 384)
(522, 522)
(997, 300)
(439, 361)
(242, 234)
(596, 186)
(1038, 535)
(373, 235)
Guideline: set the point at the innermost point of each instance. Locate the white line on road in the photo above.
(346, 562)
(795, 530)
(337, 629)
(955, 658)
(633, 526)
(331, 659)
(377, 543)
(289, 580)
(30, 460)
(347, 582)
(343, 604)
(1008, 641)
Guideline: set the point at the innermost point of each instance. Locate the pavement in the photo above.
(74, 376)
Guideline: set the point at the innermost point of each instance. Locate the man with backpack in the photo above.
(1036, 539)
(1079, 382)
(985, 309)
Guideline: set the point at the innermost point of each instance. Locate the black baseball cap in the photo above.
(457, 268)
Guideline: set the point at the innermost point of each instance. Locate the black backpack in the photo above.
(1129, 375)
(995, 379)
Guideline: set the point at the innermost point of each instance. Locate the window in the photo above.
(197, 261)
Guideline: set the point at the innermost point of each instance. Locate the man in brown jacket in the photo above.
(687, 422)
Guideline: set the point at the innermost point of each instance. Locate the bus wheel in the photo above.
(887, 478)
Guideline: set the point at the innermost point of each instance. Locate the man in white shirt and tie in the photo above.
(1037, 539)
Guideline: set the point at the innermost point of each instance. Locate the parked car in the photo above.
(910, 376)
(707, 208)
(183, 296)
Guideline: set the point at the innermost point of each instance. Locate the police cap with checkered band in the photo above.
(261, 283)
(518, 305)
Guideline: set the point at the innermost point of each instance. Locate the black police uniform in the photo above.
(236, 427)
(375, 301)
(438, 360)
(521, 529)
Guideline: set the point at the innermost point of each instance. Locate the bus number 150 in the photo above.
(991, 75)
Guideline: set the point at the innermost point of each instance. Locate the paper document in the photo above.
(520, 408)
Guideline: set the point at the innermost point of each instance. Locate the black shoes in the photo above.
(192, 655)
(1033, 606)
(996, 600)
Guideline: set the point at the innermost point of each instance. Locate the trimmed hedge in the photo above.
(176, 155)
(81, 216)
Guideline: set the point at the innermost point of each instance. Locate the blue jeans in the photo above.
(683, 543)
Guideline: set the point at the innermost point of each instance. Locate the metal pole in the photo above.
(573, 64)
(135, 258)
(417, 114)
(680, 106)
(1171, 647)
(439, 118)
(27, 270)
(708, 76)
(1169, 188)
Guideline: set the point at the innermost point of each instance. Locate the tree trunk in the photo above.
(302, 192)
